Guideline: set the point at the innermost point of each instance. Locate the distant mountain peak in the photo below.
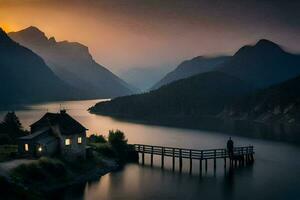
(187, 68)
(73, 63)
(33, 31)
(32, 34)
(3, 36)
(263, 46)
(264, 43)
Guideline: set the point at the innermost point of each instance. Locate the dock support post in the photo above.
(200, 164)
(247, 156)
(252, 158)
(205, 165)
(191, 162)
(224, 158)
(173, 160)
(162, 158)
(180, 161)
(143, 155)
(151, 159)
(215, 160)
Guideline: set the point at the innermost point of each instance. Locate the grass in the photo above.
(7, 152)
(45, 171)
(14, 192)
(103, 149)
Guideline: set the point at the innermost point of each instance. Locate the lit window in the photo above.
(40, 149)
(67, 142)
(79, 140)
(26, 147)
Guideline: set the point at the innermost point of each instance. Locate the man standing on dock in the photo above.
(230, 147)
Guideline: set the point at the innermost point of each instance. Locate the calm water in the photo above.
(275, 174)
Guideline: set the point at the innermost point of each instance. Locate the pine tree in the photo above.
(11, 127)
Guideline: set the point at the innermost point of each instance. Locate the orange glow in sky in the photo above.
(6, 27)
(131, 34)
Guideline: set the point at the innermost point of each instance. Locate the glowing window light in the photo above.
(26, 147)
(79, 140)
(67, 142)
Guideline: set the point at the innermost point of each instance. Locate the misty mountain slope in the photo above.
(279, 103)
(204, 94)
(25, 77)
(145, 77)
(73, 63)
(263, 64)
(191, 67)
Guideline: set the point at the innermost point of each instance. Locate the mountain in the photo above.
(191, 67)
(203, 94)
(72, 62)
(276, 104)
(143, 77)
(25, 77)
(263, 64)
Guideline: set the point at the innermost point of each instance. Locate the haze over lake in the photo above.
(275, 174)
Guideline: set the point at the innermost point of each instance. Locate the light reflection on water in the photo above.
(275, 174)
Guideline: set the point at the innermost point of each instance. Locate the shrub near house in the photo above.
(115, 146)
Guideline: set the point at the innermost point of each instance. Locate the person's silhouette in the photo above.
(230, 147)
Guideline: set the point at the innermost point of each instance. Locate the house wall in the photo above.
(74, 150)
(21, 147)
(49, 148)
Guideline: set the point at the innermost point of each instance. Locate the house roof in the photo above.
(65, 122)
(35, 134)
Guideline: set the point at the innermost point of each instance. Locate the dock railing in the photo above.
(241, 155)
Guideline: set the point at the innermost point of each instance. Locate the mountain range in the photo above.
(258, 83)
(72, 62)
(25, 77)
(261, 65)
(203, 94)
(277, 104)
(191, 67)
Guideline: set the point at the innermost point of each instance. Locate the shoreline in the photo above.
(46, 191)
(91, 175)
(245, 128)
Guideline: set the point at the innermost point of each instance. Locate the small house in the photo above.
(55, 134)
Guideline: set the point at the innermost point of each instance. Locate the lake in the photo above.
(274, 175)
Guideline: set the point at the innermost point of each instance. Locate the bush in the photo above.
(115, 147)
(44, 170)
(117, 139)
(104, 149)
(119, 144)
(5, 139)
(13, 191)
(7, 152)
(97, 139)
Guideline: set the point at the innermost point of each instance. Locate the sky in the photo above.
(130, 34)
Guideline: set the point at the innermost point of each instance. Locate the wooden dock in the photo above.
(241, 156)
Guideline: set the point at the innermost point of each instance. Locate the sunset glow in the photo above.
(158, 34)
(6, 27)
